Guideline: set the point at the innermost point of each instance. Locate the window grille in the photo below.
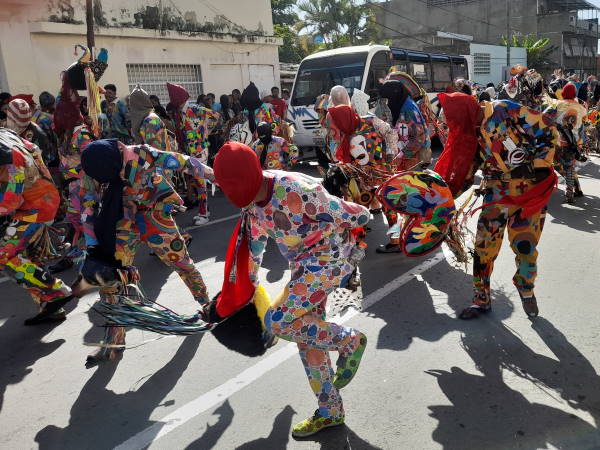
(482, 64)
(154, 77)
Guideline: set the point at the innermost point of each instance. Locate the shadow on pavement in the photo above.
(487, 413)
(211, 435)
(583, 215)
(100, 418)
(428, 309)
(340, 438)
(22, 345)
(279, 436)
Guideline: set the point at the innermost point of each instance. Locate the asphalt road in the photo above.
(427, 380)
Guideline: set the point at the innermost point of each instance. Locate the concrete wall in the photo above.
(34, 52)
(219, 15)
(518, 55)
(472, 19)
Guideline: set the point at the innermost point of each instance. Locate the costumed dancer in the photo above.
(274, 152)
(146, 126)
(407, 120)
(256, 111)
(413, 141)
(514, 147)
(569, 117)
(196, 124)
(28, 202)
(312, 229)
(19, 115)
(70, 169)
(321, 105)
(135, 206)
(356, 145)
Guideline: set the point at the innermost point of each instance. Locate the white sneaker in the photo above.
(200, 220)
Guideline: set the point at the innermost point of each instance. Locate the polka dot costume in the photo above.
(312, 231)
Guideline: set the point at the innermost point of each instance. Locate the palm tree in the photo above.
(321, 18)
(538, 51)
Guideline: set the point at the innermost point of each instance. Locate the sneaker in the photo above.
(200, 220)
(347, 366)
(314, 424)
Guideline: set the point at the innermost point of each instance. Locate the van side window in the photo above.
(380, 64)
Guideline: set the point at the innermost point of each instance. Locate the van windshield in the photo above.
(318, 76)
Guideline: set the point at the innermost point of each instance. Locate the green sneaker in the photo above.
(347, 366)
(314, 424)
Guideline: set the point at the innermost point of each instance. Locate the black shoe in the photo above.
(51, 312)
(61, 266)
(474, 311)
(530, 306)
(389, 248)
(578, 193)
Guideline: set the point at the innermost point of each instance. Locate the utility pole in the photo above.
(507, 36)
(89, 21)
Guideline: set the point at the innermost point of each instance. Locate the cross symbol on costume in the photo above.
(403, 129)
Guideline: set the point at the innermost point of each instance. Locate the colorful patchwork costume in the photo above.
(198, 122)
(148, 200)
(279, 154)
(28, 201)
(516, 154)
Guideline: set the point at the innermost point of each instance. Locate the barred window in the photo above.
(154, 77)
(482, 63)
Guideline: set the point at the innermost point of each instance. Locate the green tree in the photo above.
(292, 50)
(538, 51)
(283, 12)
(321, 18)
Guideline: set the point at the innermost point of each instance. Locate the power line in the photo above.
(462, 15)
(399, 32)
(413, 20)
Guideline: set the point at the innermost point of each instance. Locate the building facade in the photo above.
(487, 63)
(450, 25)
(205, 45)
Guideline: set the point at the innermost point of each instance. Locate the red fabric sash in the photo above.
(347, 121)
(239, 292)
(531, 201)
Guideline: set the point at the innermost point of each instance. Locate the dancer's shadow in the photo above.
(213, 433)
(279, 436)
(583, 215)
(428, 309)
(101, 418)
(22, 346)
(340, 438)
(487, 413)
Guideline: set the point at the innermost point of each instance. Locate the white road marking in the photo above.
(221, 393)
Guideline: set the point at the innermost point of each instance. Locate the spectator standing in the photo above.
(117, 114)
(236, 105)
(44, 117)
(277, 102)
